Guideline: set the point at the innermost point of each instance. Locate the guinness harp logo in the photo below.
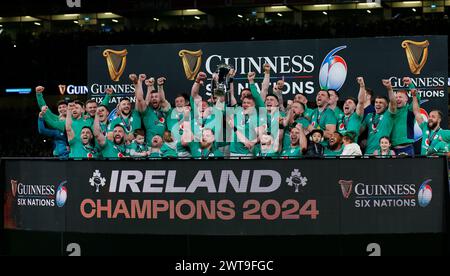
(192, 61)
(346, 187)
(417, 54)
(62, 89)
(117, 61)
(14, 187)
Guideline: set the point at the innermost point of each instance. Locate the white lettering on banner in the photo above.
(279, 64)
(117, 88)
(77, 90)
(429, 87)
(263, 181)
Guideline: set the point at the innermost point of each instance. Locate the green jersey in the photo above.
(77, 124)
(113, 151)
(320, 120)
(41, 102)
(154, 122)
(441, 149)
(271, 153)
(156, 155)
(287, 132)
(338, 113)
(198, 153)
(293, 152)
(134, 148)
(350, 123)
(445, 134)
(378, 125)
(130, 124)
(259, 102)
(431, 140)
(80, 151)
(246, 124)
(403, 130)
(169, 150)
(333, 153)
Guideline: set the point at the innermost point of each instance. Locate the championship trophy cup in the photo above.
(220, 83)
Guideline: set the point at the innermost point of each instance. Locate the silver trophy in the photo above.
(220, 82)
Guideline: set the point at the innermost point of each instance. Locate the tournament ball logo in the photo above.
(425, 194)
(333, 71)
(61, 195)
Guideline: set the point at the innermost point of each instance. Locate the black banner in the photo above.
(227, 197)
(306, 65)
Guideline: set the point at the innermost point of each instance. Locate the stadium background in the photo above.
(45, 42)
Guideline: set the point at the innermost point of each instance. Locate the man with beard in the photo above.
(403, 132)
(205, 148)
(154, 107)
(323, 118)
(62, 106)
(244, 125)
(82, 145)
(353, 112)
(380, 123)
(78, 120)
(334, 147)
(128, 118)
(432, 143)
(332, 104)
(298, 143)
(117, 148)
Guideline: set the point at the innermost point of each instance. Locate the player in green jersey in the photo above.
(431, 130)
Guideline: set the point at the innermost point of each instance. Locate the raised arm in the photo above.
(258, 100)
(107, 98)
(150, 83)
(187, 136)
(199, 82)
(361, 96)
(303, 140)
(41, 103)
(165, 105)
(69, 129)
(407, 81)
(391, 95)
(416, 107)
(231, 74)
(101, 139)
(43, 130)
(278, 91)
(266, 82)
(141, 104)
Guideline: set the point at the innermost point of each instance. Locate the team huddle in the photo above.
(262, 125)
